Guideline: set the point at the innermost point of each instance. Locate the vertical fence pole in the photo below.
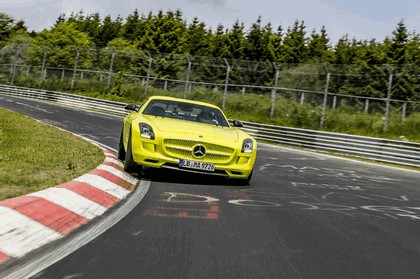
(111, 68)
(226, 83)
(76, 63)
(187, 79)
(334, 102)
(274, 91)
(367, 106)
(302, 98)
(404, 111)
(149, 69)
(15, 65)
(388, 100)
(324, 103)
(41, 75)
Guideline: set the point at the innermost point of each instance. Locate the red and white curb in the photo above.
(31, 221)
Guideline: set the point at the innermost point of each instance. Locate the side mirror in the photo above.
(237, 123)
(133, 107)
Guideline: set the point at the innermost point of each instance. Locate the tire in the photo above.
(129, 164)
(121, 151)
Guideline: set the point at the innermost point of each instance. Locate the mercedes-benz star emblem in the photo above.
(199, 151)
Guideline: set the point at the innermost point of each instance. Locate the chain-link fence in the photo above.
(370, 89)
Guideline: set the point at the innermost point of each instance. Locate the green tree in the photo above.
(343, 51)
(220, 43)
(236, 41)
(61, 42)
(108, 31)
(413, 50)
(132, 29)
(399, 55)
(273, 42)
(294, 44)
(319, 47)
(164, 33)
(398, 51)
(254, 39)
(8, 26)
(198, 39)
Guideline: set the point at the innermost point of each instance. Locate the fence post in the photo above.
(404, 111)
(149, 69)
(274, 90)
(226, 83)
(324, 103)
(187, 79)
(13, 69)
(334, 102)
(41, 76)
(111, 68)
(388, 100)
(76, 63)
(367, 106)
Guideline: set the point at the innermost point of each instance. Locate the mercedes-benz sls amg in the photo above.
(185, 135)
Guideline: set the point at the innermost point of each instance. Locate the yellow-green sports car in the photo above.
(185, 135)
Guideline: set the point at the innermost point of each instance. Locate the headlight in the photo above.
(146, 131)
(247, 146)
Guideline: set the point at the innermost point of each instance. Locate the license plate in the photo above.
(189, 164)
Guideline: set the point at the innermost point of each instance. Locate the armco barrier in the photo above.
(377, 149)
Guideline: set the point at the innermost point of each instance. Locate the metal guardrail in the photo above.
(71, 100)
(377, 149)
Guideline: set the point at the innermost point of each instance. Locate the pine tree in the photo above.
(318, 47)
(294, 43)
(273, 43)
(198, 39)
(219, 46)
(399, 56)
(131, 29)
(8, 26)
(254, 49)
(108, 31)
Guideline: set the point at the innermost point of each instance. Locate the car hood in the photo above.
(194, 130)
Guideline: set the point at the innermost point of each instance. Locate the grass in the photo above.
(35, 156)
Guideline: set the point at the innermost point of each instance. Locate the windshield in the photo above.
(186, 111)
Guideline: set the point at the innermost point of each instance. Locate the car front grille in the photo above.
(183, 149)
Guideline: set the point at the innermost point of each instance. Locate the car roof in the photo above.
(181, 100)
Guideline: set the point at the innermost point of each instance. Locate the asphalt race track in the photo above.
(305, 215)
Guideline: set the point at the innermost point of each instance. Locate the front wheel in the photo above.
(129, 164)
(121, 151)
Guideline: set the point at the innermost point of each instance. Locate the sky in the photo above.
(360, 19)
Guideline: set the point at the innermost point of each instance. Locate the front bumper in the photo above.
(160, 153)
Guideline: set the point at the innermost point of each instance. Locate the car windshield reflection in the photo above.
(186, 111)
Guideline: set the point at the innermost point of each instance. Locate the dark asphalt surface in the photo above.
(304, 215)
